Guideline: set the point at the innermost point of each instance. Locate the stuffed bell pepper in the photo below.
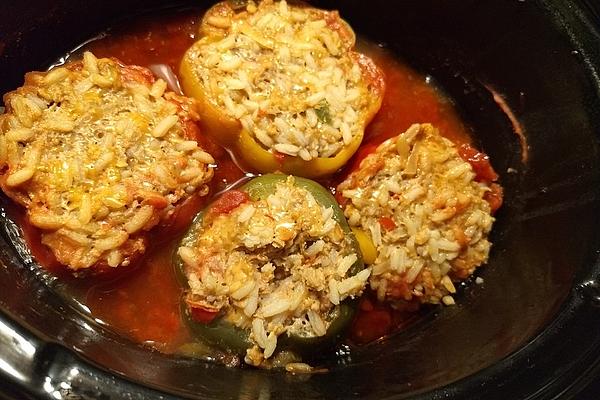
(422, 214)
(272, 265)
(282, 86)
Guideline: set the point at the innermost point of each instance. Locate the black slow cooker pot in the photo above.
(532, 330)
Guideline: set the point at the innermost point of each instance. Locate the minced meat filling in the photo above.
(418, 201)
(273, 266)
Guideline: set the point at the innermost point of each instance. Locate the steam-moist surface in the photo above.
(98, 153)
(420, 204)
(273, 266)
(289, 75)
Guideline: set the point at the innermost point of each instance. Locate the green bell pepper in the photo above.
(215, 329)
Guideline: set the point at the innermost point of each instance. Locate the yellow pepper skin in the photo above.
(265, 161)
(367, 248)
(218, 125)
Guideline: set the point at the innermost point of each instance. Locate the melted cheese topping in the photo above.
(98, 153)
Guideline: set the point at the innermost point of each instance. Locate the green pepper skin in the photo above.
(219, 332)
(225, 335)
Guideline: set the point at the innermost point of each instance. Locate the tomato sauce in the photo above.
(142, 302)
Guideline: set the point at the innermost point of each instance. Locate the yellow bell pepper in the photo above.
(229, 132)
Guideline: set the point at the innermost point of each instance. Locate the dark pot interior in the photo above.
(530, 331)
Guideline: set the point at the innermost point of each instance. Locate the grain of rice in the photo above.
(188, 256)
(101, 81)
(264, 138)
(75, 236)
(305, 155)
(447, 282)
(21, 176)
(414, 271)
(273, 307)
(90, 62)
(334, 295)
(85, 209)
(448, 300)
(19, 134)
(414, 193)
(298, 368)
(317, 323)
(243, 291)
(458, 170)
(271, 344)
(55, 75)
(397, 259)
(252, 303)
(353, 283)
(382, 290)
(46, 221)
(445, 244)
(219, 22)
(115, 240)
(102, 162)
(114, 258)
(163, 126)
(191, 173)
(380, 268)
(139, 219)
(315, 248)
(158, 88)
(286, 148)
(246, 213)
(260, 335)
(346, 263)
(231, 63)
(375, 229)
(203, 157)
(298, 297)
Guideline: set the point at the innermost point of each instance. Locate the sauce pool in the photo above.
(142, 303)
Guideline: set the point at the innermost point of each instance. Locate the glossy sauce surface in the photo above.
(142, 302)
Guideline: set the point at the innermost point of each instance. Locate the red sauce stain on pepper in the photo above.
(203, 315)
(228, 201)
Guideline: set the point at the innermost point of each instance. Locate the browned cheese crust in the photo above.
(99, 153)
